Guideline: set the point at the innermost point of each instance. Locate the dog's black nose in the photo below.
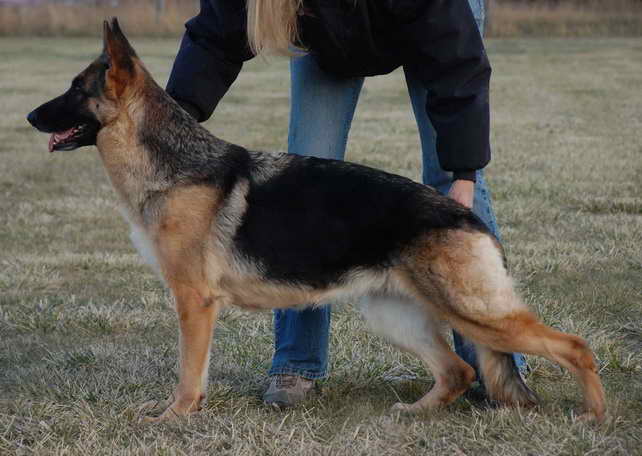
(32, 118)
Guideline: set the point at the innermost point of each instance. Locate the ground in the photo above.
(87, 333)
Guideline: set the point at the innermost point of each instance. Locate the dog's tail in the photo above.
(502, 378)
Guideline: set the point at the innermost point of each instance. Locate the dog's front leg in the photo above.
(197, 316)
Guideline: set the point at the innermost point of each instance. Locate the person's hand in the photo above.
(463, 191)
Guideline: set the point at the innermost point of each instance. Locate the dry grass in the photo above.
(565, 18)
(58, 19)
(508, 18)
(87, 333)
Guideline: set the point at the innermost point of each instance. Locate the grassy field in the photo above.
(87, 333)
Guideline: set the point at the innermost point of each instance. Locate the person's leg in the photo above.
(435, 176)
(322, 107)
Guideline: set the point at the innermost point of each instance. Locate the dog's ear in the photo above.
(119, 55)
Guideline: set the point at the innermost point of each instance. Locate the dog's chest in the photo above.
(143, 243)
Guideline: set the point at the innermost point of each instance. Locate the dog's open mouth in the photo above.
(80, 135)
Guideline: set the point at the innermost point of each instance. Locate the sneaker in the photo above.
(287, 390)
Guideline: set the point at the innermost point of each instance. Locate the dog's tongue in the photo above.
(58, 137)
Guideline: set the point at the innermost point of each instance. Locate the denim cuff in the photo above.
(308, 374)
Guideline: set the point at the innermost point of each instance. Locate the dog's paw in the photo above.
(401, 407)
(167, 410)
(592, 417)
(151, 411)
(167, 415)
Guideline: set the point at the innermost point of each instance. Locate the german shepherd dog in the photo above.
(226, 226)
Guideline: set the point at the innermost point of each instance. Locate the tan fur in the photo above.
(522, 332)
(180, 236)
(457, 275)
(471, 264)
(126, 164)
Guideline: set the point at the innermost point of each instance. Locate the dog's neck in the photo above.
(126, 162)
(154, 145)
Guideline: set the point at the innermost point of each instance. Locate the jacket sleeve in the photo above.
(450, 60)
(210, 57)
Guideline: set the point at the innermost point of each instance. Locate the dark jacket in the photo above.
(437, 39)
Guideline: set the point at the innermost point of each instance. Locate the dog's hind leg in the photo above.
(522, 332)
(502, 378)
(409, 326)
(463, 275)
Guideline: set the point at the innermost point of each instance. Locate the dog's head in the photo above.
(96, 95)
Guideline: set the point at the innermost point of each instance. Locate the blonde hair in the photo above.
(272, 25)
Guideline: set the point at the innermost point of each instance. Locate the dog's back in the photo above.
(314, 220)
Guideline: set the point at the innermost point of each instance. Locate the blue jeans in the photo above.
(322, 108)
